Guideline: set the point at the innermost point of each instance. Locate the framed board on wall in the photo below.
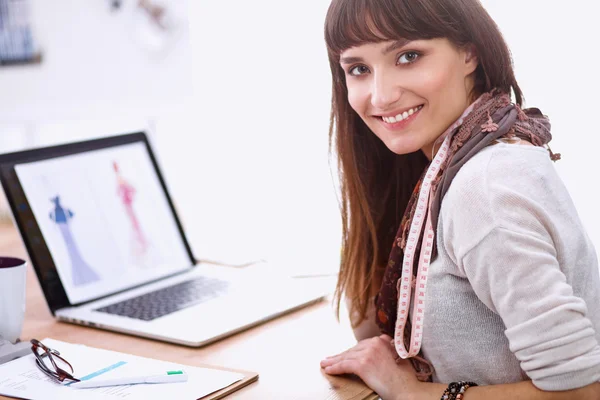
(17, 44)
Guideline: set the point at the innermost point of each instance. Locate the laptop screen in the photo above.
(105, 219)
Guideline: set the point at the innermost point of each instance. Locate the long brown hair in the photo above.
(376, 183)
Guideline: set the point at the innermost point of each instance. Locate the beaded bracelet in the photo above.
(456, 390)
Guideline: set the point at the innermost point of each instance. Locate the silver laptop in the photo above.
(110, 252)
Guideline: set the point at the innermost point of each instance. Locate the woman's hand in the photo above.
(374, 361)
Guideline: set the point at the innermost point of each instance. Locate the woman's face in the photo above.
(409, 92)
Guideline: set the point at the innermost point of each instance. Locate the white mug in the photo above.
(12, 297)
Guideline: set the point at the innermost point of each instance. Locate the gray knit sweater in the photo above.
(515, 291)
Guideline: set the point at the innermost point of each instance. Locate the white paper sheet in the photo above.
(21, 378)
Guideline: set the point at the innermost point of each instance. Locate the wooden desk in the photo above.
(285, 352)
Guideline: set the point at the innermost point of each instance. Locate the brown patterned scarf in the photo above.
(492, 117)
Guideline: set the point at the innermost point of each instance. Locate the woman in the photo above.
(448, 191)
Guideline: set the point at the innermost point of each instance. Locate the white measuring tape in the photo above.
(404, 284)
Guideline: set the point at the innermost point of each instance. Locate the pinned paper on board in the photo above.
(17, 42)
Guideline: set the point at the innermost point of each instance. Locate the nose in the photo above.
(385, 90)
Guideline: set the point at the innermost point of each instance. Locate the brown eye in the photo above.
(408, 57)
(358, 70)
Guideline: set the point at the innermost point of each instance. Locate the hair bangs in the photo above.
(356, 22)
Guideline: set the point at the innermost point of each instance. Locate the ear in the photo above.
(471, 59)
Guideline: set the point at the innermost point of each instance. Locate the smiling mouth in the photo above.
(401, 116)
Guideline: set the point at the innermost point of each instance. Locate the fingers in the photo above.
(330, 360)
(347, 366)
(350, 360)
(360, 346)
(368, 348)
(350, 354)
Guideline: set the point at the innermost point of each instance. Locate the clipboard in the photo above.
(347, 388)
(249, 377)
(21, 378)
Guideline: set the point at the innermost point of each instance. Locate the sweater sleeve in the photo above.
(517, 276)
(519, 243)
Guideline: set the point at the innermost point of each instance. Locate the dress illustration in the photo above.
(126, 193)
(81, 272)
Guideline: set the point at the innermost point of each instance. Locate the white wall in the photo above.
(555, 49)
(256, 145)
(246, 153)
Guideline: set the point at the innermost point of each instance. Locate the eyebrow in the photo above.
(391, 47)
(395, 45)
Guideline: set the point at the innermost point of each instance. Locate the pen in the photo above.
(166, 377)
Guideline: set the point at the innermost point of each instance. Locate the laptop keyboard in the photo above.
(165, 301)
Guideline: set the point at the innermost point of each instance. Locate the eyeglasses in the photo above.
(51, 363)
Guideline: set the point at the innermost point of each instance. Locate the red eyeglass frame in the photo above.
(59, 374)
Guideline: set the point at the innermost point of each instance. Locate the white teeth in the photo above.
(400, 117)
